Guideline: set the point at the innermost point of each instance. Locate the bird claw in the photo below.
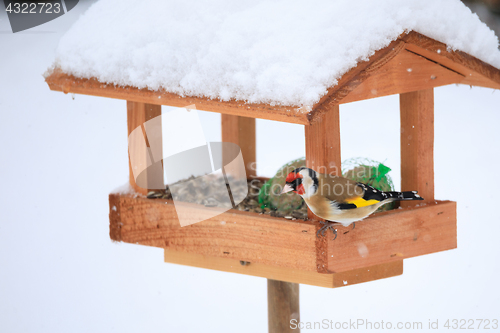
(326, 225)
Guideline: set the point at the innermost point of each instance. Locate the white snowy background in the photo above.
(61, 157)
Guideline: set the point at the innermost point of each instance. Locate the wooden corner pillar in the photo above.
(323, 156)
(137, 114)
(417, 144)
(323, 143)
(241, 131)
(283, 306)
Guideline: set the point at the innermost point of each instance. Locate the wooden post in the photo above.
(283, 305)
(241, 131)
(323, 143)
(417, 144)
(137, 114)
(323, 156)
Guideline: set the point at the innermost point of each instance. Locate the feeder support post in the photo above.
(417, 144)
(283, 306)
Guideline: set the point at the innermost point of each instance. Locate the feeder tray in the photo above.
(286, 250)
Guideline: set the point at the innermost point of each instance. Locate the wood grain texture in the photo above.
(234, 234)
(405, 72)
(354, 77)
(417, 144)
(59, 81)
(115, 224)
(393, 236)
(476, 72)
(277, 242)
(323, 156)
(323, 143)
(137, 115)
(282, 305)
(335, 280)
(241, 131)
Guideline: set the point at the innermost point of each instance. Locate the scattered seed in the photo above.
(197, 189)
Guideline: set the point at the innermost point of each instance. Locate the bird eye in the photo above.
(297, 181)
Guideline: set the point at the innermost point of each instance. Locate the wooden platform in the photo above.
(333, 280)
(290, 250)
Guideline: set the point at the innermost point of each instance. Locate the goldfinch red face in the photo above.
(294, 183)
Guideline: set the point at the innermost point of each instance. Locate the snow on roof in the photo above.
(278, 52)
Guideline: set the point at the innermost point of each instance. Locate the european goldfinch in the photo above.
(339, 199)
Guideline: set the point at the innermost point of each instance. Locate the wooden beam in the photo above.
(406, 72)
(241, 131)
(257, 269)
(471, 70)
(282, 305)
(476, 72)
(137, 115)
(60, 81)
(323, 156)
(417, 144)
(354, 77)
(323, 143)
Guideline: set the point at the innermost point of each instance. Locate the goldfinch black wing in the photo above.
(349, 194)
(373, 196)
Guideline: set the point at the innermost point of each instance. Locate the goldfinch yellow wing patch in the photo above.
(360, 202)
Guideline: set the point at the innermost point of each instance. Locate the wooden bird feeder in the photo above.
(285, 250)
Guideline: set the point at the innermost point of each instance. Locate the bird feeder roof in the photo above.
(279, 60)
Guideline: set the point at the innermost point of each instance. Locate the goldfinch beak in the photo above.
(286, 189)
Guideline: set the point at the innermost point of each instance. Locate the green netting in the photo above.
(368, 171)
(269, 195)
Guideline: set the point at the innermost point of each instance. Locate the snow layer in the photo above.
(285, 52)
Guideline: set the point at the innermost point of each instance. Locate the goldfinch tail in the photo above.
(407, 195)
(371, 193)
